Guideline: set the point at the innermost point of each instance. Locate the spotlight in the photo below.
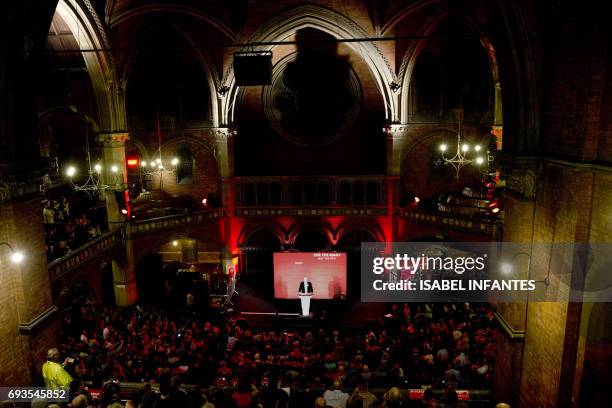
(98, 167)
(417, 200)
(205, 201)
(495, 210)
(465, 148)
(114, 168)
(143, 164)
(174, 243)
(506, 268)
(17, 257)
(158, 161)
(71, 171)
(124, 211)
(174, 161)
(443, 147)
(477, 148)
(479, 160)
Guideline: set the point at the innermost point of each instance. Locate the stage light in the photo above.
(98, 167)
(124, 211)
(479, 160)
(71, 171)
(158, 161)
(174, 243)
(477, 148)
(174, 161)
(205, 201)
(143, 164)
(465, 148)
(114, 168)
(17, 257)
(417, 200)
(443, 147)
(506, 268)
(495, 210)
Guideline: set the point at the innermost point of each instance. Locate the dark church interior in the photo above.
(191, 192)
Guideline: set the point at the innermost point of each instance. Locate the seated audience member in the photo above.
(335, 397)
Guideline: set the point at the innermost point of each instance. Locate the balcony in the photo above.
(311, 196)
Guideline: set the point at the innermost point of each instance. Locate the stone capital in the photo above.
(115, 139)
(396, 131)
(224, 134)
(519, 173)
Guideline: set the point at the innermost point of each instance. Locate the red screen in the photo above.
(325, 270)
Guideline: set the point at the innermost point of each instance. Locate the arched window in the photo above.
(344, 193)
(248, 194)
(276, 194)
(372, 193)
(184, 170)
(262, 194)
(358, 193)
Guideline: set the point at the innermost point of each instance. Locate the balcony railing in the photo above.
(101, 245)
(489, 227)
(175, 221)
(311, 191)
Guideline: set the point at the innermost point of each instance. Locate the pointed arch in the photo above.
(81, 18)
(331, 22)
(202, 56)
(414, 50)
(166, 8)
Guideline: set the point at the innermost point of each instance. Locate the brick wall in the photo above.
(24, 293)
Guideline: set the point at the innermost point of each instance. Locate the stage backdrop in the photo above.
(325, 270)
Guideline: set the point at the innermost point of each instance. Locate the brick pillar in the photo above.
(224, 148)
(124, 276)
(397, 140)
(114, 155)
(27, 327)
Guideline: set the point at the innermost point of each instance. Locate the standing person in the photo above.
(65, 207)
(48, 216)
(305, 293)
(55, 375)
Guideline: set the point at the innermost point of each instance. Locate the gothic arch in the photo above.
(371, 228)
(331, 22)
(202, 56)
(89, 34)
(167, 8)
(414, 50)
(247, 232)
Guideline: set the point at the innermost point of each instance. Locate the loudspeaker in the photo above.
(253, 68)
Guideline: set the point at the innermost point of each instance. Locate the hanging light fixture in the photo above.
(92, 184)
(464, 152)
(157, 166)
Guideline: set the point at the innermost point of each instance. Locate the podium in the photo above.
(305, 300)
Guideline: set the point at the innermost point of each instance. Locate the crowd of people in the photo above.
(66, 230)
(440, 346)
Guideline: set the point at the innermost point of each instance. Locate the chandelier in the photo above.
(157, 167)
(464, 153)
(93, 184)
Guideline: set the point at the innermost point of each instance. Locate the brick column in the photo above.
(224, 148)
(124, 277)
(397, 139)
(114, 155)
(27, 327)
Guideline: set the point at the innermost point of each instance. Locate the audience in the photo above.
(441, 346)
(66, 231)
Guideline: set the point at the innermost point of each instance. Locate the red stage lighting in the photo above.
(132, 162)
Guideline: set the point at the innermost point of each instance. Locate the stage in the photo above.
(262, 310)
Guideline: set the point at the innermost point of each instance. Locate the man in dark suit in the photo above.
(305, 286)
(305, 293)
